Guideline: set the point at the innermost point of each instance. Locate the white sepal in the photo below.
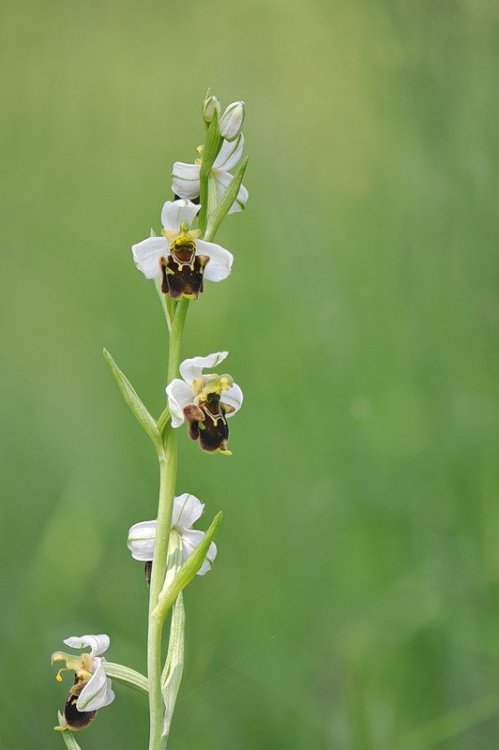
(147, 255)
(193, 367)
(179, 395)
(141, 539)
(98, 692)
(221, 260)
(230, 154)
(185, 180)
(186, 511)
(98, 644)
(223, 181)
(174, 213)
(233, 397)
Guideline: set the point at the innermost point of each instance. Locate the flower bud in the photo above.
(210, 105)
(232, 120)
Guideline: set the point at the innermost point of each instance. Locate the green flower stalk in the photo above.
(180, 259)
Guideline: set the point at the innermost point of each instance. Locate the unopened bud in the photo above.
(210, 105)
(232, 120)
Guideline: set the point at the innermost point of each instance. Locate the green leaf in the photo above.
(174, 666)
(225, 205)
(174, 663)
(186, 573)
(133, 401)
(127, 676)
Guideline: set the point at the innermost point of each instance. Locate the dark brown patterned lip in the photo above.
(212, 433)
(184, 279)
(77, 719)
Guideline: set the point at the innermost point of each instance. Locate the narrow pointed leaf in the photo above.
(186, 572)
(174, 666)
(225, 204)
(175, 663)
(133, 401)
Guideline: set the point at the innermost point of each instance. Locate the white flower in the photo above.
(178, 256)
(186, 511)
(232, 120)
(92, 689)
(205, 400)
(185, 177)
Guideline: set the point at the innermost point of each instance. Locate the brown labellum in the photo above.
(77, 719)
(183, 272)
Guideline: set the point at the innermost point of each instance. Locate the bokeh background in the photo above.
(355, 601)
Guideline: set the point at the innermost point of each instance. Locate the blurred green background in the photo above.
(354, 604)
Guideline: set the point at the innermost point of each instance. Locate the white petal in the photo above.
(141, 538)
(230, 154)
(190, 540)
(147, 254)
(220, 263)
(179, 394)
(193, 367)
(185, 180)
(98, 643)
(234, 397)
(97, 693)
(176, 212)
(186, 511)
(223, 180)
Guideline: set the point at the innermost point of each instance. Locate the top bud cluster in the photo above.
(182, 257)
(230, 123)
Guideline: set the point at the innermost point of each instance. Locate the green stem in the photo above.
(167, 458)
(211, 148)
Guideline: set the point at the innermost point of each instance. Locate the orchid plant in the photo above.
(180, 259)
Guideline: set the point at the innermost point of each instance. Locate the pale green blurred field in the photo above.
(355, 600)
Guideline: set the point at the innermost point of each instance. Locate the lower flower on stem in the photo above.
(92, 689)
